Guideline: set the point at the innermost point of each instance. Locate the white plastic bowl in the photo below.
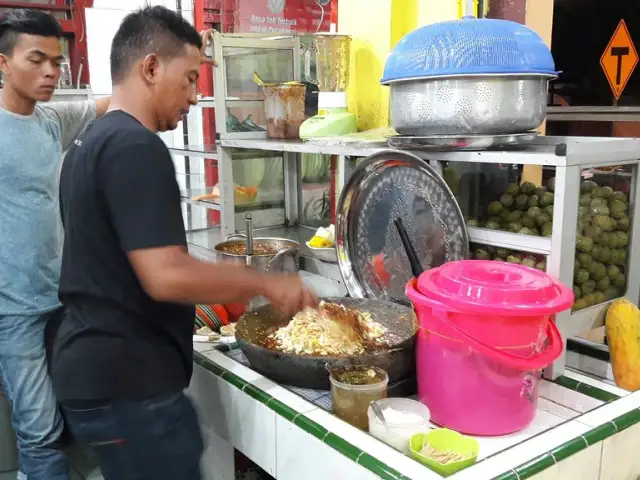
(398, 435)
(328, 255)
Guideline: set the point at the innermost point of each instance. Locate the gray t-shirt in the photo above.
(31, 150)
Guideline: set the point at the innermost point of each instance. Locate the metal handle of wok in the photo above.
(294, 252)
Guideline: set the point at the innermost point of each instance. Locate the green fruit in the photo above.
(494, 208)
(598, 192)
(618, 208)
(577, 293)
(534, 211)
(515, 216)
(584, 244)
(492, 225)
(619, 281)
(588, 186)
(507, 200)
(597, 271)
(528, 188)
(603, 284)
(581, 276)
(584, 260)
(607, 192)
(529, 262)
(549, 210)
(547, 229)
(613, 271)
(604, 238)
(585, 199)
(579, 305)
(522, 202)
(600, 210)
(623, 223)
(540, 191)
(504, 215)
(621, 196)
(588, 287)
(482, 254)
(513, 259)
(619, 257)
(542, 219)
(512, 189)
(547, 199)
(592, 231)
(472, 222)
(598, 297)
(542, 266)
(502, 253)
(533, 201)
(514, 227)
(611, 293)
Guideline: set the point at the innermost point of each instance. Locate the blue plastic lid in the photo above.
(469, 47)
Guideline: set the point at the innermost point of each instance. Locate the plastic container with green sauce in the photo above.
(352, 391)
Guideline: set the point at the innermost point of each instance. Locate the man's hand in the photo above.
(288, 294)
(206, 36)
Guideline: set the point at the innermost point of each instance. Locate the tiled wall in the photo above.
(616, 458)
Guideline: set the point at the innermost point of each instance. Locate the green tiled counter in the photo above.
(585, 428)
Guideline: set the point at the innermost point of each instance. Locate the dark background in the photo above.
(581, 32)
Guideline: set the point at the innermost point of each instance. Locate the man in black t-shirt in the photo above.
(122, 355)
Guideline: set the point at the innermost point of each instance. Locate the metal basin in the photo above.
(283, 255)
(477, 105)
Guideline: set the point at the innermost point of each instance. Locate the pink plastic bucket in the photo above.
(485, 333)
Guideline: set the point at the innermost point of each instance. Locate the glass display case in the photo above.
(238, 98)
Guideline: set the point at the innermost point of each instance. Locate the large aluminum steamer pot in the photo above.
(284, 258)
(477, 105)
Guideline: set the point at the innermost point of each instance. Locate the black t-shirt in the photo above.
(118, 193)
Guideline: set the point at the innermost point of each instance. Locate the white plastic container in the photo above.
(404, 418)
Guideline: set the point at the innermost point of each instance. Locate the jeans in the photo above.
(26, 383)
(156, 439)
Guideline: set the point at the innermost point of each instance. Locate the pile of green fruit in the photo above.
(487, 252)
(524, 209)
(601, 243)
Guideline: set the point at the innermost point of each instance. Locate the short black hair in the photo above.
(26, 21)
(150, 30)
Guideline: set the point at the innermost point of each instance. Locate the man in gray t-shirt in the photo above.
(32, 138)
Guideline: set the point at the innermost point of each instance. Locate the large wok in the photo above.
(311, 371)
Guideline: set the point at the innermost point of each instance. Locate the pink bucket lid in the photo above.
(488, 287)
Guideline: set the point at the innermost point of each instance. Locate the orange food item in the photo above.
(380, 270)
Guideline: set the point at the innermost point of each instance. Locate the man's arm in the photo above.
(138, 181)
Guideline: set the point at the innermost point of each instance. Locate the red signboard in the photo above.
(283, 16)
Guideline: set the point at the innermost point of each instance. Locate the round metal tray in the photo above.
(461, 142)
(389, 185)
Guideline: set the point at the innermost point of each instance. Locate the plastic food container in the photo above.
(485, 332)
(350, 401)
(446, 441)
(403, 419)
(284, 109)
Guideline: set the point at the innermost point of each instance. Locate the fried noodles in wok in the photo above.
(329, 330)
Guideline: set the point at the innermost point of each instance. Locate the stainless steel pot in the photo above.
(477, 105)
(285, 260)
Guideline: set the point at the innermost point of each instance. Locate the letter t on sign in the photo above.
(619, 59)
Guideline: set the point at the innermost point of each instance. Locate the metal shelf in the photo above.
(204, 151)
(210, 102)
(511, 241)
(545, 151)
(593, 114)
